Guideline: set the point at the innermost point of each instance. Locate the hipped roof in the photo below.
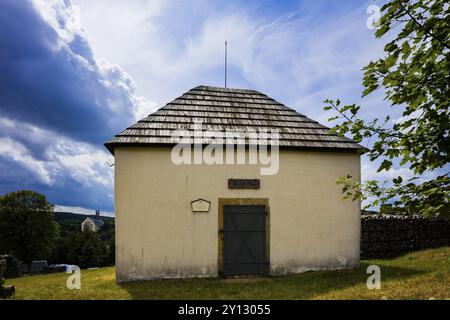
(222, 109)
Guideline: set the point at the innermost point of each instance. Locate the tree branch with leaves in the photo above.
(415, 78)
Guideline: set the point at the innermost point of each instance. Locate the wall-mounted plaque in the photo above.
(244, 183)
(200, 205)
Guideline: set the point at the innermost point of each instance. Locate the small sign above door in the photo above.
(200, 205)
(244, 183)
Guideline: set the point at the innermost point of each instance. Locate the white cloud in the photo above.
(300, 57)
(19, 153)
(60, 156)
(369, 172)
(115, 78)
(64, 19)
(82, 162)
(143, 108)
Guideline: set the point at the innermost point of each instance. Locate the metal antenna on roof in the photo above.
(225, 63)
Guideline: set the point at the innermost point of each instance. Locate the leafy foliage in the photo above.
(69, 245)
(415, 76)
(27, 225)
(86, 249)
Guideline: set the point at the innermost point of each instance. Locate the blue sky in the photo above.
(74, 73)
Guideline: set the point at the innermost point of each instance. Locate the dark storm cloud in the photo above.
(55, 83)
(58, 105)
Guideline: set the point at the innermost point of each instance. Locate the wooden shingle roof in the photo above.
(221, 109)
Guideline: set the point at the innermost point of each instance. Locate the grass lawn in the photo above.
(419, 275)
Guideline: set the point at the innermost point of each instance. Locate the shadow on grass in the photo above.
(299, 286)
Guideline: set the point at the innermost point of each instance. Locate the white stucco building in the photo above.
(91, 223)
(282, 215)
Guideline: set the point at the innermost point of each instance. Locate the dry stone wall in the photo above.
(385, 236)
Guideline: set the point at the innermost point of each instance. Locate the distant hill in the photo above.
(69, 218)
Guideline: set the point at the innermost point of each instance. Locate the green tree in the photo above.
(111, 257)
(27, 225)
(415, 78)
(86, 249)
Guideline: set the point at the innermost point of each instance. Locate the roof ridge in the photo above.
(223, 89)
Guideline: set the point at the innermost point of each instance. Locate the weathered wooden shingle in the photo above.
(222, 109)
